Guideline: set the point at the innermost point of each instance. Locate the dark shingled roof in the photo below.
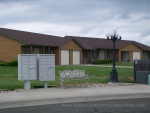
(33, 38)
(55, 41)
(100, 43)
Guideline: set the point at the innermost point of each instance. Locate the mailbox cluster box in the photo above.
(27, 67)
(46, 67)
(36, 67)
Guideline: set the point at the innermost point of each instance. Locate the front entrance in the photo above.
(76, 57)
(125, 56)
(64, 57)
(136, 55)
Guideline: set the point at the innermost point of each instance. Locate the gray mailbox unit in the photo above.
(46, 67)
(27, 68)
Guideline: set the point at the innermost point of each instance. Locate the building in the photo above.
(68, 49)
(96, 48)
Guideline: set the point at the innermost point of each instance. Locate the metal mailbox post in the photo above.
(27, 68)
(46, 67)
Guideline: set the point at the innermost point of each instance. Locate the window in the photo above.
(108, 53)
(84, 54)
(94, 54)
(146, 55)
(36, 50)
(102, 55)
(27, 50)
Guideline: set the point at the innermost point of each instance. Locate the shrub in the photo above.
(12, 63)
(102, 61)
(2, 63)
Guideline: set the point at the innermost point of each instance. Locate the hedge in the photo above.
(10, 63)
(107, 61)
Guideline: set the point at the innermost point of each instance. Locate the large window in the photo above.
(27, 50)
(102, 56)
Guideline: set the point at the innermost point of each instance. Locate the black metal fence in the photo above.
(141, 66)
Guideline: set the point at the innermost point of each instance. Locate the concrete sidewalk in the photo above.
(53, 96)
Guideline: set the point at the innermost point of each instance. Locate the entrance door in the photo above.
(125, 56)
(136, 55)
(76, 57)
(64, 57)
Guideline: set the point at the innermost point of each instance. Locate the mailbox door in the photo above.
(51, 68)
(46, 67)
(27, 67)
(32, 67)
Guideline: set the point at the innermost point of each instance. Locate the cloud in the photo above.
(45, 28)
(92, 18)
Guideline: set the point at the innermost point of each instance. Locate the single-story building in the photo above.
(68, 49)
(98, 48)
(14, 42)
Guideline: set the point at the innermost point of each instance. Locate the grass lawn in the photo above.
(121, 64)
(9, 76)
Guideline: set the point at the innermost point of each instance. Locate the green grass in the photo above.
(9, 76)
(121, 64)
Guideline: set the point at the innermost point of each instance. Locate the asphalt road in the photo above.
(141, 105)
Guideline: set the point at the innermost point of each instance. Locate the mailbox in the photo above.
(46, 67)
(33, 67)
(27, 67)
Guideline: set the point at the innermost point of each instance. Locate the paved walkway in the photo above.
(33, 97)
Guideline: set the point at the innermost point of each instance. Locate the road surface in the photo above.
(141, 105)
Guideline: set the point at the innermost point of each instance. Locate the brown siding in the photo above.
(119, 59)
(89, 57)
(9, 48)
(131, 56)
(71, 45)
(71, 57)
(132, 48)
(57, 54)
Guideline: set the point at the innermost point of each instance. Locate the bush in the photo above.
(107, 61)
(11, 63)
(2, 63)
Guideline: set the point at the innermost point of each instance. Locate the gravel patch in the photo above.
(80, 86)
(8, 91)
(98, 85)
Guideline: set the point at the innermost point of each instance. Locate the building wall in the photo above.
(55, 50)
(9, 48)
(131, 48)
(71, 46)
(89, 54)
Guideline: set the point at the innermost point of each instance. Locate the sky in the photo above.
(88, 18)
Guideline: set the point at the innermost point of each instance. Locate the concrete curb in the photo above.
(43, 97)
(47, 101)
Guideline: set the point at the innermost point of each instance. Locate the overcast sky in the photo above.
(89, 18)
